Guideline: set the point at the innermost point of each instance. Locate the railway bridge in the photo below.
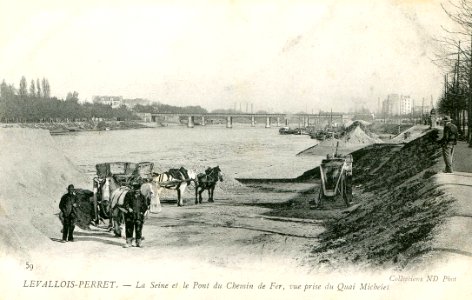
(273, 119)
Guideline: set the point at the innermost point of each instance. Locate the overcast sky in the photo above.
(278, 55)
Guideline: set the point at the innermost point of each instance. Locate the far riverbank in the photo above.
(69, 127)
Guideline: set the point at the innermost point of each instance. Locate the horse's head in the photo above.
(149, 191)
(218, 172)
(106, 186)
(102, 186)
(192, 175)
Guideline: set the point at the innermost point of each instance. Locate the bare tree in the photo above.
(458, 93)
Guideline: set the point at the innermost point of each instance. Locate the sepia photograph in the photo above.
(236, 149)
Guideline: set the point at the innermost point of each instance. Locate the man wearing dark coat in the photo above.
(448, 142)
(135, 206)
(68, 206)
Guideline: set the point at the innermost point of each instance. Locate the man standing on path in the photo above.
(68, 205)
(448, 141)
(135, 206)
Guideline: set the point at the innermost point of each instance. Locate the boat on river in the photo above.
(295, 131)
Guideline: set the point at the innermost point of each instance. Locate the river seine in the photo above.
(242, 151)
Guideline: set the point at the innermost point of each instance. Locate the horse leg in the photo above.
(196, 194)
(110, 223)
(116, 222)
(179, 196)
(200, 196)
(210, 194)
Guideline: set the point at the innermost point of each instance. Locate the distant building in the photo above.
(406, 105)
(130, 103)
(396, 105)
(113, 101)
(390, 106)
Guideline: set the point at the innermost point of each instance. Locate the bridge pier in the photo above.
(278, 121)
(267, 122)
(229, 122)
(190, 123)
(286, 122)
(253, 121)
(203, 121)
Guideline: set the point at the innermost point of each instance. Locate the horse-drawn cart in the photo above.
(336, 179)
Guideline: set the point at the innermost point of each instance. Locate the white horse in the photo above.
(174, 179)
(114, 195)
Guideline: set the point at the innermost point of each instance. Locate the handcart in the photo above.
(336, 179)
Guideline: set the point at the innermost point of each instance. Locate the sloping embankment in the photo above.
(34, 175)
(399, 207)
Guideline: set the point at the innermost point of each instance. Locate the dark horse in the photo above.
(207, 181)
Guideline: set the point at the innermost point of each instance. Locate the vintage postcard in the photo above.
(307, 149)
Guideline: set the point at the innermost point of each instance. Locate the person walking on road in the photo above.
(448, 141)
(68, 205)
(135, 206)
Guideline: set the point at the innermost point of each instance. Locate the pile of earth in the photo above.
(365, 126)
(353, 138)
(35, 174)
(395, 211)
(359, 133)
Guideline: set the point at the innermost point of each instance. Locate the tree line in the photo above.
(455, 58)
(34, 104)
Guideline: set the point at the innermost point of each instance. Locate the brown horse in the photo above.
(207, 181)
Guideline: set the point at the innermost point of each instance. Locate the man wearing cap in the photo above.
(448, 141)
(135, 206)
(68, 205)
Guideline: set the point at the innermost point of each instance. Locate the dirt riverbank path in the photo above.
(229, 233)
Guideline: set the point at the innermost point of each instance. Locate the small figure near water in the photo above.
(68, 206)
(448, 141)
